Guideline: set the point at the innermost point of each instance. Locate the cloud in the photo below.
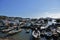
(52, 14)
(47, 14)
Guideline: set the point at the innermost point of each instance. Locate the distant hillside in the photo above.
(20, 18)
(6, 17)
(3, 17)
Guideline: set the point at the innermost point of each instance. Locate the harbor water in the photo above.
(22, 35)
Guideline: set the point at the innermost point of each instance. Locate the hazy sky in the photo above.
(30, 8)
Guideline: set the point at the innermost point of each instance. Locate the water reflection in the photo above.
(22, 35)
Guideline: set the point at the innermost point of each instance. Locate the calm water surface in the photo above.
(22, 35)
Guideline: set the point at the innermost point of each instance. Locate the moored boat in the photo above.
(14, 31)
(7, 30)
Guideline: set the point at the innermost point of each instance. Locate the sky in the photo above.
(30, 8)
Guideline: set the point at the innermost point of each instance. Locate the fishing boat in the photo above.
(7, 30)
(36, 34)
(14, 31)
(2, 28)
(2, 25)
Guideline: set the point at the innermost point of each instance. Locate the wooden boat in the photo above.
(7, 30)
(2, 27)
(14, 31)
